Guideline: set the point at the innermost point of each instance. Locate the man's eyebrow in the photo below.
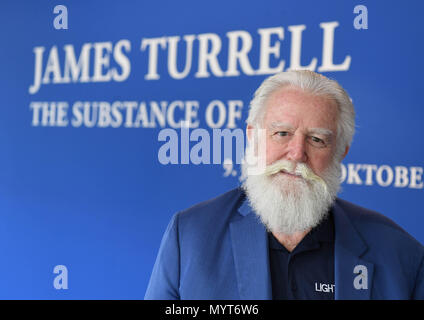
(286, 125)
(279, 125)
(322, 131)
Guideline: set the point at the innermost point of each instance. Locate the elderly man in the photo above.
(284, 234)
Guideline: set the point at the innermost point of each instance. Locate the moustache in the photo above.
(298, 169)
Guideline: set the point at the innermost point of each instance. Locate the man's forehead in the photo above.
(295, 102)
(291, 92)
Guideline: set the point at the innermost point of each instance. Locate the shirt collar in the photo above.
(322, 233)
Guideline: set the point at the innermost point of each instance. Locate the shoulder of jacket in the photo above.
(216, 207)
(376, 223)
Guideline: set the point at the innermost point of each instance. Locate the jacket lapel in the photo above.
(250, 248)
(353, 275)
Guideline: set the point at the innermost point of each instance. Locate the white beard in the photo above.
(288, 205)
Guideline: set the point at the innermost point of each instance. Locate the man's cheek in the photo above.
(272, 152)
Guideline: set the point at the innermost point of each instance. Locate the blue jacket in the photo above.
(218, 249)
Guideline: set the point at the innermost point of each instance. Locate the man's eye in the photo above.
(318, 142)
(282, 133)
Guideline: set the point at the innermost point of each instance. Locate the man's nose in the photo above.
(297, 149)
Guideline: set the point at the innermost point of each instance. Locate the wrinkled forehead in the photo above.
(295, 103)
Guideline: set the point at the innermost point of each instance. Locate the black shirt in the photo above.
(308, 271)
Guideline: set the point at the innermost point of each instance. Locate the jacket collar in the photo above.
(250, 248)
(350, 268)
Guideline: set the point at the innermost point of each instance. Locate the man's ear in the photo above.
(345, 153)
(249, 132)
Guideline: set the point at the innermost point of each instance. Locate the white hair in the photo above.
(315, 84)
(287, 205)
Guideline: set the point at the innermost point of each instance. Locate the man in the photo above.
(284, 234)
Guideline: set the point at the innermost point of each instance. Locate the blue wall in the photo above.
(97, 199)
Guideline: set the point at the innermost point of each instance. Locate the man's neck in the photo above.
(290, 241)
